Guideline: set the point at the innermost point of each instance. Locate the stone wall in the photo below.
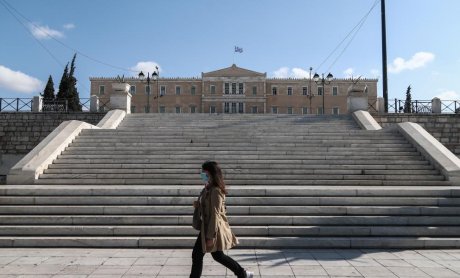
(444, 127)
(20, 132)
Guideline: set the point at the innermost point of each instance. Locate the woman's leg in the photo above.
(197, 259)
(229, 263)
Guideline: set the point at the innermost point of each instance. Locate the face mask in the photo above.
(204, 177)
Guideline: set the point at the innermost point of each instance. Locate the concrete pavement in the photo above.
(86, 263)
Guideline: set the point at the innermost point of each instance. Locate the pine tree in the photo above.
(408, 103)
(48, 93)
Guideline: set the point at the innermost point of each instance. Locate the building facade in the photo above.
(237, 90)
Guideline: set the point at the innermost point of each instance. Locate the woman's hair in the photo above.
(216, 178)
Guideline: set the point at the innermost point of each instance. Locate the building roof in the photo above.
(233, 71)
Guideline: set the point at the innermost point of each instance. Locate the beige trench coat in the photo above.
(215, 225)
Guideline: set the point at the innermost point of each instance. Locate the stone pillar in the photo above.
(37, 104)
(357, 102)
(381, 105)
(120, 97)
(436, 105)
(94, 104)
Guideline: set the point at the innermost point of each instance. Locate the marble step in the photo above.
(247, 242)
(187, 230)
(323, 220)
(232, 200)
(247, 178)
(232, 210)
(446, 191)
(164, 168)
(58, 180)
(233, 172)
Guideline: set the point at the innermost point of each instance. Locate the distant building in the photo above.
(236, 90)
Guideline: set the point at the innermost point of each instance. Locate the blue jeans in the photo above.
(218, 256)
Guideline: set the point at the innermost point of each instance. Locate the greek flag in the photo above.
(238, 49)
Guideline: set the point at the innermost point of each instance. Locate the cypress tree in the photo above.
(64, 84)
(73, 96)
(48, 93)
(408, 103)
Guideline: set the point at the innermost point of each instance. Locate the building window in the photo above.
(240, 88)
(289, 110)
(319, 111)
(227, 88)
(177, 90)
(162, 109)
(178, 109)
(212, 109)
(305, 91)
(162, 90)
(233, 88)
(147, 109)
(234, 107)
(289, 91)
(213, 89)
(133, 109)
(335, 111)
(147, 89)
(226, 107)
(254, 110)
(274, 91)
(274, 110)
(240, 108)
(320, 91)
(101, 90)
(304, 110)
(193, 91)
(254, 90)
(192, 109)
(132, 89)
(335, 91)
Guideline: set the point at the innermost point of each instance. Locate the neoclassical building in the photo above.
(237, 90)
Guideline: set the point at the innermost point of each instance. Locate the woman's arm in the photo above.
(216, 203)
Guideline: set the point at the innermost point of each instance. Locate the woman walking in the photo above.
(215, 234)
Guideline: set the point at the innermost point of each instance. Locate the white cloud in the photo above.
(146, 66)
(44, 32)
(420, 59)
(285, 72)
(448, 95)
(375, 73)
(69, 26)
(349, 72)
(18, 81)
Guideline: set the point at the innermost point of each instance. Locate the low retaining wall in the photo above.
(444, 127)
(20, 132)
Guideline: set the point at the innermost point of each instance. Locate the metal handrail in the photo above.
(15, 104)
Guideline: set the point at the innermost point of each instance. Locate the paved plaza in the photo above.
(67, 262)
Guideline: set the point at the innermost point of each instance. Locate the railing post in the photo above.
(17, 104)
(436, 105)
(37, 104)
(1, 102)
(94, 104)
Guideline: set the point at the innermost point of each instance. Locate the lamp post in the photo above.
(323, 81)
(310, 93)
(155, 76)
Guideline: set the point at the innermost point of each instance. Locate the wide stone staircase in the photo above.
(294, 181)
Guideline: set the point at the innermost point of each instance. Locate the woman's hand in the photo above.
(209, 243)
(196, 204)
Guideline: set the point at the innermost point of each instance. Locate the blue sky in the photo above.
(185, 38)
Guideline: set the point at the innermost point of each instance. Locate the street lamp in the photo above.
(323, 81)
(310, 94)
(155, 77)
